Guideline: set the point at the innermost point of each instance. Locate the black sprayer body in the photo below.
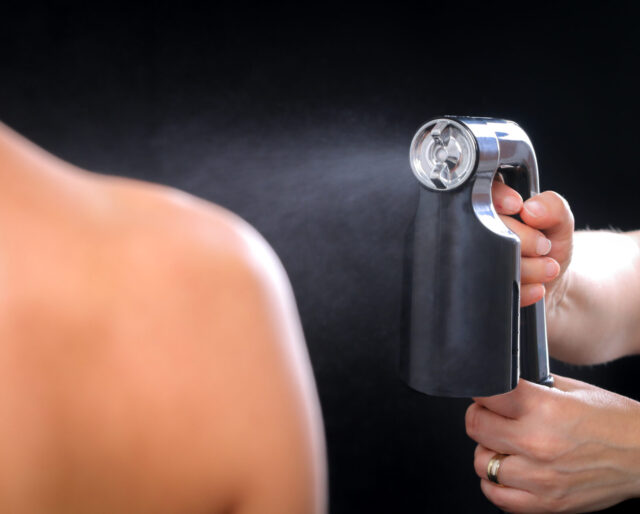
(466, 334)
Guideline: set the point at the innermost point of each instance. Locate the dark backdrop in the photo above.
(299, 119)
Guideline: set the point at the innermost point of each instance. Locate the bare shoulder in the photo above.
(221, 307)
(152, 359)
(151, 355)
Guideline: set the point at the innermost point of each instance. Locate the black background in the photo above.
(299, 118)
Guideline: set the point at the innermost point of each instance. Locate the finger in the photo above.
(550, 212)
(509, 499)
(505, 199)
(491, 430)
(531, 293)
(515, 403)
(532, 241)
(538, 270)
(515, 470)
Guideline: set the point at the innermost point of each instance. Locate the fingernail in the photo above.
(552, 268)
(543, 246)
(511, 204)
(536, 209)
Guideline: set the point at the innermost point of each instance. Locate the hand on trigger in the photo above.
(546, 240)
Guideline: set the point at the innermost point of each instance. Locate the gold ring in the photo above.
(494, 466)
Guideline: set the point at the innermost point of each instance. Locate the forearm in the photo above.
(595, 315)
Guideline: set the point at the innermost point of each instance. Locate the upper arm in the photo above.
(264, 414)
(238, 406)
(279, 428)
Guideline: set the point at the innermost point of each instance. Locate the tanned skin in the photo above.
(151, 354)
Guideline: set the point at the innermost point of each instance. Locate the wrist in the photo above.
(559, 316)
(556, 298)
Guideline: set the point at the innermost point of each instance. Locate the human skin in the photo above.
(591, 278)
(574, 447)
(151, 354)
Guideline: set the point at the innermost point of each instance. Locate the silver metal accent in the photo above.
(442, 154)
(503, 144)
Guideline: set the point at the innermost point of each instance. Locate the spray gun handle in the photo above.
(534, 360)
(520, 171)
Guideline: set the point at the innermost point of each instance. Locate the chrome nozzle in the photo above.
(442, 154)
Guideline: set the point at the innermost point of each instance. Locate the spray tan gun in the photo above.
(466, 334)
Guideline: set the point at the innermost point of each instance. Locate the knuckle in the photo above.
(560, 204)
(542, 406)
(553, 197)
(547, 408)
(541, 446)
(479, 467)
(472, 420)
(568, 213)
